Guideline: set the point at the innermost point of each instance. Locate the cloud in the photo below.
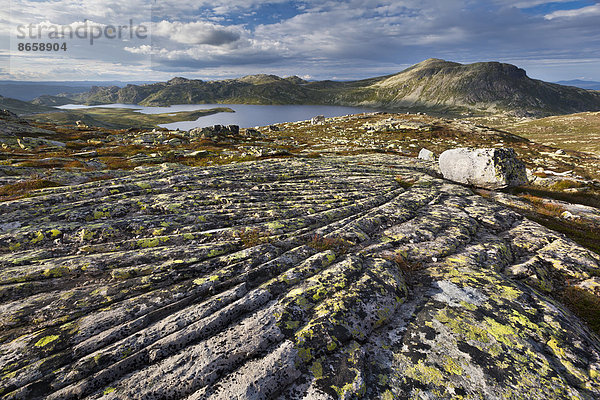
(590, 11)
(196, 32)
(321, 38)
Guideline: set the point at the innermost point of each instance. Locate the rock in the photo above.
(426, 155)
(560, 152)
(233, 129)
(253, 133)
(274, 128)
(396, 125)
(29, 143)
(86, 154)
(486, 168)
(317, 120)
(337, 277)
(215, 132)
(174, 142)
(570, 216)
(8, 115)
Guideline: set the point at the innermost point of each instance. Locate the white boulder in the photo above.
(494, 168)
(426, 155)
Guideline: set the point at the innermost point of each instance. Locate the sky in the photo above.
(314, 39)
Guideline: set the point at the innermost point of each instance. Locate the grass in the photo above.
(18, 190)
(541, 206)
(586, 199)
(579, 132)
(583, 304)
(566, 184)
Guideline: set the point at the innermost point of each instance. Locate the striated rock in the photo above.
(338, 277)
(486, 168)
(28, 143)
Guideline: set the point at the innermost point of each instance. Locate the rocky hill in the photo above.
(331, 263)
(435, 85)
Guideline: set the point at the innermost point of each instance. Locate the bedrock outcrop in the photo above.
(336, 277)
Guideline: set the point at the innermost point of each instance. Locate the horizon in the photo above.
(341, 41)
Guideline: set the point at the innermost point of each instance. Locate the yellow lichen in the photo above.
(39, 236)
(46, 340)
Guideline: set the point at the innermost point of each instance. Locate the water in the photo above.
(245, 115)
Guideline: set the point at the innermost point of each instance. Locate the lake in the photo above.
(245, 115)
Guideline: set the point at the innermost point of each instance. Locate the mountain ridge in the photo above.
(434, 84)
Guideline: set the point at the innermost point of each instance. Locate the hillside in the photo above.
(589, 85)
(23, 107)
(434, 85)
(299, 261)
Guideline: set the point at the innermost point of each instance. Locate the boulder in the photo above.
(317, 120)
(253, 133)
(8, 115)
(426, 155)
(216, 131)
(486, 168)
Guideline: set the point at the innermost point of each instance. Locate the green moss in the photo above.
(46, 340)
(452, 366)
(387, 395)
(87, 234)
(54, 233)
(425, 374)
(108, 390)
(317, 370)
(216, 252)
(273, 226)
(39, 236)
(305, 354)
(145, 243)
(101, 214)
(56, 272)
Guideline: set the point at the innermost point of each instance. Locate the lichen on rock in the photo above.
(347, 277)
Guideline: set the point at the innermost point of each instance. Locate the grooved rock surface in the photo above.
(339, 277)
(486, 168)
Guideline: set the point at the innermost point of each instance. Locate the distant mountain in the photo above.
(589, 85)
(28, 91)
(433, 84)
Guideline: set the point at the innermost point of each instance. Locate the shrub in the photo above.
(337, 245)
(17, 190)
(252, 237)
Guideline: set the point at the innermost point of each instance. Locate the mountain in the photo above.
(589, 85)
(23, 107)
(433, 84)
(28, 91)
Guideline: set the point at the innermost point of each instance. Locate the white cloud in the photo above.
(324, 38)
(590, 11)
(197, 32)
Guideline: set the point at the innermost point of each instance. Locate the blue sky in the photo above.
(315, 39)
